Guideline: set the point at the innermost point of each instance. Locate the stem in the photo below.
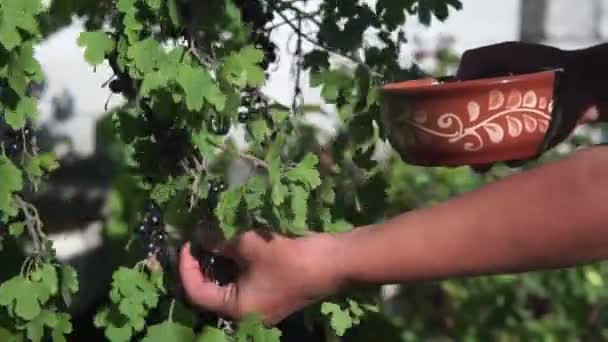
(352, 58)
(32, 223)
(257, 162)
(171, 309)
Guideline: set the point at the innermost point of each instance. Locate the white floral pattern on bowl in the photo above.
(513, 114)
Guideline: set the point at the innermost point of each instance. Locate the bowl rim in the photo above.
(430, 84)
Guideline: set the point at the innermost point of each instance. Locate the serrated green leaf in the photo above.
(251, 328)
(62, 328)
(97, 44)
(146, 54)
(126, 6)
(157, 278)
(101, 318)
(255, 191)
(47, 276)
(340, 320)
(69, 283)
(11, 182)
(26, 109)
(299, 207)
(23, 297)
(36, 167)
(9, 36)
(169, 331)
(306, 173)
(198, 87)
(227, 210)
(163, 192)
(18, 15)
(35, 328)
(242, 68)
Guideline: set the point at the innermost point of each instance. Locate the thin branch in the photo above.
(32, 223)
(352, 58)
(255, 161)
(297, 92)
(171, 309)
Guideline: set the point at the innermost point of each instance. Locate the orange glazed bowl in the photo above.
(484, 121)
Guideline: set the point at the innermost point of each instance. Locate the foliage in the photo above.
(192, 73)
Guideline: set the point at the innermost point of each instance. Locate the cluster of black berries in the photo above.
(15, 142)
(252, 102)
(217, 268)
(152, 230)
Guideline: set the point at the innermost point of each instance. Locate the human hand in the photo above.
(278, 276)
(577, 104)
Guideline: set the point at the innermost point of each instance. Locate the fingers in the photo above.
(509, 58)
(200, 290)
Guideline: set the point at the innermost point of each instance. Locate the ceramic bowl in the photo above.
(454, 123)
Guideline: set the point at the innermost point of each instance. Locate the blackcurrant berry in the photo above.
(143, 229)
(115, 86)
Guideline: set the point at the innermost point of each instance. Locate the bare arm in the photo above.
(551, 217)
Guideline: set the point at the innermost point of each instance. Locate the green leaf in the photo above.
(306, 173)
(47, 275)
(259, 130)
(18, 15)
(62, 328)
(69, 283)
(97, 45)
(278, 116)
(35, 328)
(174, 13)
(146, 55)
(299, 206)
(227, 210)
(169, 331)
(23, 297)
(11, 182)
(119, 334)
(251, 328)
(340, 319)
(256, 189)
(26, 109)
(211, 334)
(157, 278)
(152, 81)
(36, 166)
(16, 229)
(242, 68)
(198, 86)
(163, 192)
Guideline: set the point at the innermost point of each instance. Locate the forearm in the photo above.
(551, 217)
